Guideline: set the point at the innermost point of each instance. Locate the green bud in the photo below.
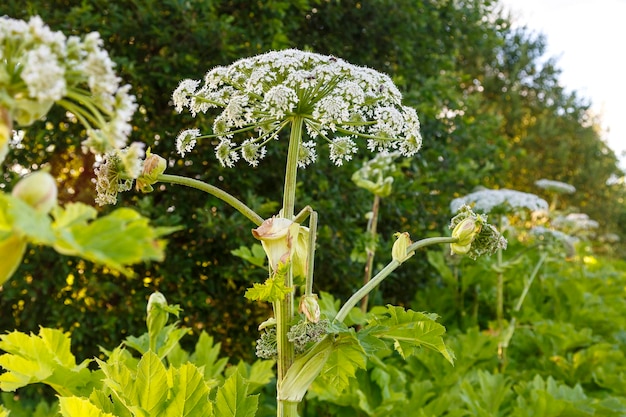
(153, 166)
(157, 317)
(475, 236)
(466, 231)
(401, 246)
(310, 308)
(38, 190)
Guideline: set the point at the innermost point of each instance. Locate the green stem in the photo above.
(311, 254)
(391, 266)
(285, 308)
(216, 192)
(508, 335)
(369, 264)
(500, 293)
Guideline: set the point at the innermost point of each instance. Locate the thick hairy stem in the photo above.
(285, 308)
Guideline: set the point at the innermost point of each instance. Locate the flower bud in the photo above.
(401, 246)
(466, 231)
(157, 316)
(153, 166)
(38, 190)
(310, 308)
(278, 237)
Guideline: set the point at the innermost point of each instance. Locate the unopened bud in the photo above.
(310, 308)
(466, 231)
(401, 246)
(157, 317)
(38, 190)
(153, 166)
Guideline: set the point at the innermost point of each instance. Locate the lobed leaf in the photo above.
(410, 330)
(42, 358)
(233, 400)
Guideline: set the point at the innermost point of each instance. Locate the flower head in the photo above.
(555, 186)
(376, 175)
(501, 201)
(337, 101)
(40, 67)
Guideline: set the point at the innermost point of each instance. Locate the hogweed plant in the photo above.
(318, 100)
(503, 203)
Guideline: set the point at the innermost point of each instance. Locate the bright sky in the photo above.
(587, 37)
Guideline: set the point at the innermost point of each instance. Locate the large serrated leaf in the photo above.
(346, 358)
(42, 358)
(233, 400)
(206, 356)
(151, 384)
(80, 407)
(190, 393)
(19, 217)
(410, 330)
(119, 239)
(272, 290)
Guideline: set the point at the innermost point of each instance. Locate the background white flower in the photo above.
(502, 200)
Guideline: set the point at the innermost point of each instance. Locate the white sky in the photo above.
(587, 37)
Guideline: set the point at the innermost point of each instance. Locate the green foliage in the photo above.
(124, 385)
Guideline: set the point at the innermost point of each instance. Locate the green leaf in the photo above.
(19, 217)
(272, 290)
(189, 393)
(119, 239)
(257, 375)
(346, 357)
(80, 407)
(233, 400)
(206, 356)
(256, 255)
(410, 330)
(4, 412)
(151, 383)
(43, 358)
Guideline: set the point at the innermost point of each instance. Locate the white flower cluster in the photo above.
(503, 200)
(575, 223)
(337, 101)
(40, 67)
(555, 186)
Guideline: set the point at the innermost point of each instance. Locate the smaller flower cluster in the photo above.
(475, 236)
(376, 175)
(40, 67)
(306, 332)
(500, 201)
(555, 186)
(117, 172)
